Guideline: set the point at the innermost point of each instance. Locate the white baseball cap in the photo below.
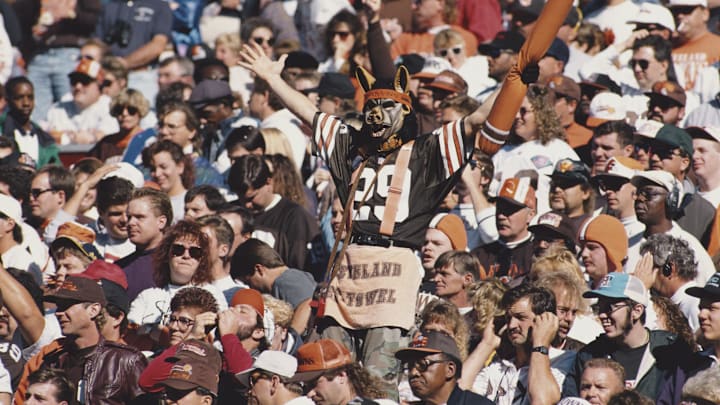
(606, 106)
(620, 166)
(711, 133)
(674, 3)
(659, 177)
(649, 129)
(128, 172)
(272, 361)
(654, 14)
(10, 207)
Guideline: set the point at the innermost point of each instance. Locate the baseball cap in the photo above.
(79, 289)
(10, 207)
(622, 167)
(431, 342)
(317, 357)
(668, 90)
(648, 129)
(302, 60)
(88, 69)
(710, 290)
(676, 137)
(711, 133)
(503, 41)
(525, 10)
(209, 91)
(674, 3)
(654, 14)
(453, 227)
(606, 107)
(658, 177)
(113, 281)
(564, 86)
(610, 233)
(573, 17)
(518, 191)
(569, 170)
(598, 84)
(334, 84)
(620, 286)
(555, 224)
(196, 364)
(77, 236)
(449, 81)
(559, 50)
(431, 67)
(250, 297)
(413, 62)
(272, 361)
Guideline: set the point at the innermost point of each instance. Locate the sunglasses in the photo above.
(118, 110)
(84, 80)
(260, 41)
(342, 34)
(445, 52)
(563, 183)
(607, 308)
(661, 103)
(682, 10)
(178, 250)
(523, 111)
(254, 378)
(644, 63)
(36, 192)
(609, 184)
(424, 364)
(664, 152)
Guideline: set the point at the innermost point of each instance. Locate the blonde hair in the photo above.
(485, 297)
(230, 40)
(446, 313)
(448, 36)
(133, 98)
(557, 259)
(276, 142)
(281, 310)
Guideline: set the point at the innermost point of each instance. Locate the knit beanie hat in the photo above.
(452, 226)
(610, 233)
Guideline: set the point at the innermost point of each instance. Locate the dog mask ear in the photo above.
(402, 80)
(364, 77)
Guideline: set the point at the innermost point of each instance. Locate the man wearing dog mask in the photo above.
(378, 171)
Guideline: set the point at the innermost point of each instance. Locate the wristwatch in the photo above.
(541, 349)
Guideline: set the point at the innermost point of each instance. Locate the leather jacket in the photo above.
(111, 373)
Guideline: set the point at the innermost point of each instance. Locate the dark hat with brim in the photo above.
(711, 290)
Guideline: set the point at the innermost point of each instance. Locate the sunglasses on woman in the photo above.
(342, 34)
(445, 52)
(260, 41)
(118, 110)
(178, 250)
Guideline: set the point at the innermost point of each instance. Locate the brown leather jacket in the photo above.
(111, 374)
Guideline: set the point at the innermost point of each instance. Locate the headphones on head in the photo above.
(672, 201)
(667, 268)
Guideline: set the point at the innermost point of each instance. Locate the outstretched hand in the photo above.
(255, 60)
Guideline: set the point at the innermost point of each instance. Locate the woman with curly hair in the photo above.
(671, 319)
(172, 170)
(181, 261)
(537, 142)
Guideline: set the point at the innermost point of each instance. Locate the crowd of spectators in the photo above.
(292, 202)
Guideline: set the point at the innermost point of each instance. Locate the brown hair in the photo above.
(194, 297)
(613, 365)
(675, 321)
(182, 230)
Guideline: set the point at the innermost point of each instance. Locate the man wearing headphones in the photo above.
(657, 201)
(668, 267)
(672, 150)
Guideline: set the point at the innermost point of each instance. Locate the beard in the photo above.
(246, 331)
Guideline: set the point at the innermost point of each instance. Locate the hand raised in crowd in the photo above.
(203, 322)
(639, 34)
(372, 10)
(545, 327)
(254, 59)
(228, 321)
(491, 337)
(646, 271)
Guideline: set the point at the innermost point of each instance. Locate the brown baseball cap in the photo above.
(668, 90)
(195, 364)
(564, 86)
(449, 81)
(518, 191)
(79, 289)
(320, 356)
(429, 343)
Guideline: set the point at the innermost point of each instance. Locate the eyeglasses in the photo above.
(648, 194)
(607, 308)
(664, 152)
(178, 250)
(644, 63)
(523, 111)
(260, 41)
(84, 80)
(682, 10)
(423, 365)
(36, 192)
(118, 110)
(342, 34)
(444, 52)
(257, 377)
(606, 185)
(183, 322)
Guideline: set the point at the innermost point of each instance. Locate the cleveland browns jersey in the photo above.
(433, 170)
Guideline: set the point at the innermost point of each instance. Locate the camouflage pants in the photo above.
(375, 348)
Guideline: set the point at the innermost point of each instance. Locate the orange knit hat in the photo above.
(610, 233)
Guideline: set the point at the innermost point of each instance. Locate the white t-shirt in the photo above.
(66, 117)
(713, 196)
(153, 303)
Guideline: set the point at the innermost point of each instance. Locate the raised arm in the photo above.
(21, 306)
(255, 60)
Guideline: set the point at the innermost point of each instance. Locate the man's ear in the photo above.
(450, 370)
(94, 310)
(162, 222)
(468, 279)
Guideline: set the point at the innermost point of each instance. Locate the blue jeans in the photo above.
(49, 73)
